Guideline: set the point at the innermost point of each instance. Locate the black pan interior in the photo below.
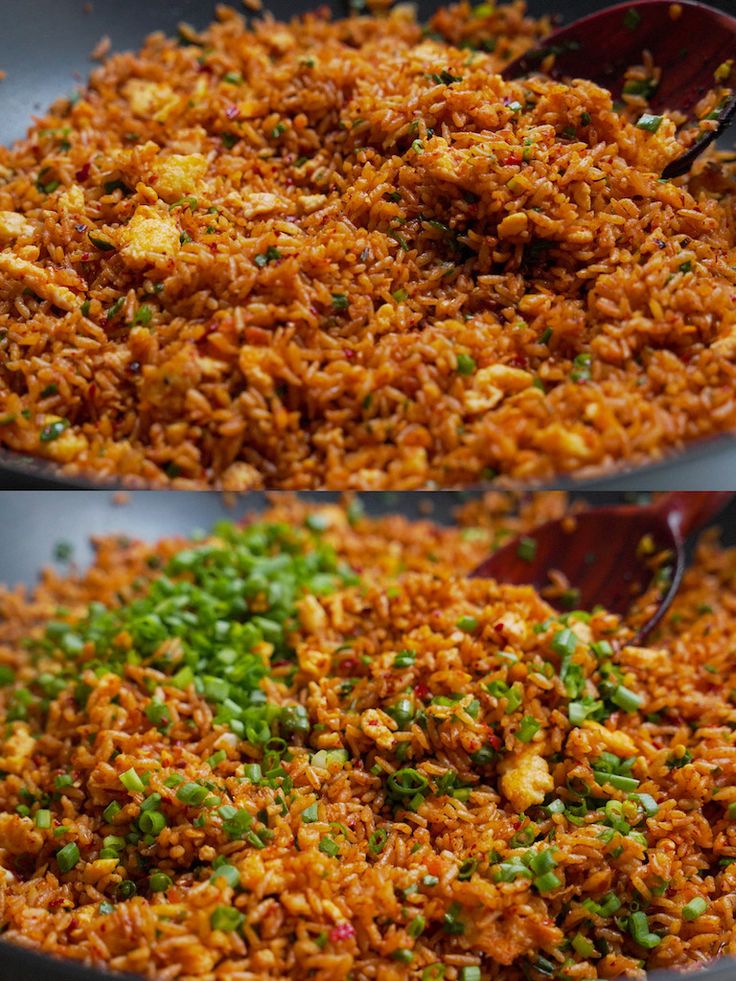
(45, 51)
(33, 523)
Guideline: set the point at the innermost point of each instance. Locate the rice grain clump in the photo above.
(347, 254)
(308, 749)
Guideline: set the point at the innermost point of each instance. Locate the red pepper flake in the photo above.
(513, 159)
(519, 361)
(500, 628)
(73, 923)
(83, 173)
(421, 690)
(343, 931)
(349, 353)
(494, 740)
(56, 901)
(350, 664)
(232, 112)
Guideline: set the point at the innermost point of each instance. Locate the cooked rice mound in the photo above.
(310, 748)
(347, 254)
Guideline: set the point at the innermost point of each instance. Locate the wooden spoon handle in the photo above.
(687, 511)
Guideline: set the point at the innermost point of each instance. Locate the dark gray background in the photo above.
(45, 47)
(33, 522)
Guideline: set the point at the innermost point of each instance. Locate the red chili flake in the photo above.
(73, 923)
(494, 740)
(280, 664)
(421, 690)
(349, 353)
(358, 764)
(513, 159)
(350, 664)
(86, 256)
(515, 823)
(232, 112)
(83, 173)
(343, 931)
(56, 901)
(499, 627)
(519, 361)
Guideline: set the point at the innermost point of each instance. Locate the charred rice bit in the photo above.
(347, 254)
(311, 748)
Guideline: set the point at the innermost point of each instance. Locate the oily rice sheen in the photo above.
(347, 254)
(311, 748)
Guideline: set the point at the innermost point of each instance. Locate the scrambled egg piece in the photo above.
(150, 238)
(36, 278)
(71, 200)
(525, 778)
(179, 175)
(14, 225)
(266, 204)
(150, 99)
(491, 384)
(17, 748)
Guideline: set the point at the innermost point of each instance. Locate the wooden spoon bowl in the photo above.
(600, 551)
(689, 41)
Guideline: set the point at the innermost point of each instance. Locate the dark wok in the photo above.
(45, 52)
(34, 522)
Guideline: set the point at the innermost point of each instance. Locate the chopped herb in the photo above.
(465, 364)
(649, 122)
(67, 857)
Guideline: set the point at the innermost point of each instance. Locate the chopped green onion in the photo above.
(583, 945)
(310, 814)
(192, 793)
(649, 122)
(547, 882)
(617, 780)
(626, 699)
(328, 846)
(467, 624)
(227, 872)
(131, 781)
(226, 918)
(528, 728)
(151, 822)
(639, 930)
(377, 841)
(43, 819)
(403, 955)
(527, 549)
(470, 973)
(695, 908)
(407, 782)
(67, 857)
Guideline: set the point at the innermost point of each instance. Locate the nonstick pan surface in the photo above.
(45, 50)
(34, 522)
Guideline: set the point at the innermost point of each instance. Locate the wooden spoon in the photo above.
(600, 551)
(689, 41)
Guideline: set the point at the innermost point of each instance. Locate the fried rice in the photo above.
(311, 748)
(347, 254)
